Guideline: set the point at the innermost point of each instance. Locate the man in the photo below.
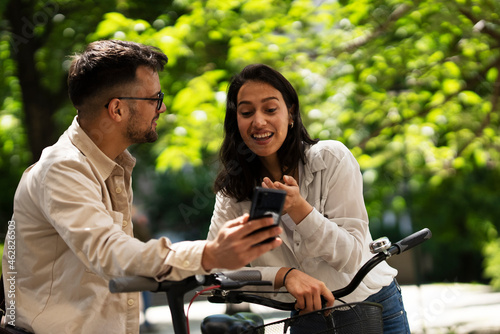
(72, 209)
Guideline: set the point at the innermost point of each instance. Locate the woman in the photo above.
(325, 223)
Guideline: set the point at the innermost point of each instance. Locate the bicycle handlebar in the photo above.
(133, 284)
(236, 279)
(227, 280)
(399, 247)
(413, 240)
(177, 289)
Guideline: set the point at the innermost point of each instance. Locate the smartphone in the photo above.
(267, 203)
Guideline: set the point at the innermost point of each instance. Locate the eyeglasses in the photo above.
(159, 99)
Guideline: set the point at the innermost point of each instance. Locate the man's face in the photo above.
(141, 126)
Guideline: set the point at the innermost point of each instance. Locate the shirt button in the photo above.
(125, 223)
(130, 302)
(118, 190)
(186, 263)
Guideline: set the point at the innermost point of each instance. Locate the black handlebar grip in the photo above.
(243, 275)
(133, 284)
(413, 240)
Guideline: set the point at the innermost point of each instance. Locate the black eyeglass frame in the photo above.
(159, 99)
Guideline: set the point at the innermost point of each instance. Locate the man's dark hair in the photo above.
(106, 64)
(241, 168)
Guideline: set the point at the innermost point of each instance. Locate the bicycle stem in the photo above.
(175, 299)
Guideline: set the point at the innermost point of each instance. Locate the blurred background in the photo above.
(412, 87)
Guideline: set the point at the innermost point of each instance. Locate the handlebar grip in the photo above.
(133, 284)
(413, 240)
(243, 275)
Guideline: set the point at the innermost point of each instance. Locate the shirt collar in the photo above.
(102, 162)
(314, 159)
(314, 163)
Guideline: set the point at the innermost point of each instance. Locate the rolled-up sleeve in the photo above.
(225, 209)
(341, 226)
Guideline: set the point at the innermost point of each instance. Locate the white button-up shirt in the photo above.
(331, 243)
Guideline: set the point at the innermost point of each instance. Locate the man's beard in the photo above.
(137, 136)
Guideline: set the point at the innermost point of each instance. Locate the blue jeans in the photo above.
(393, 314)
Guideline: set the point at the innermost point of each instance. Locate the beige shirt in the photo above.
(73, 232)
(332, 242)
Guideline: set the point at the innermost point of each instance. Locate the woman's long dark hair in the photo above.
(241, 168)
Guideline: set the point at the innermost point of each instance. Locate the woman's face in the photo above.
(263, 117)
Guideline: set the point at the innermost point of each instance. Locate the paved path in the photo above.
(452, 308)
(432, 309)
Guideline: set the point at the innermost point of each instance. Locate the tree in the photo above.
(411, 87)
(35, 41)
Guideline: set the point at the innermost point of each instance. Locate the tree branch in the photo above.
(398, 13)
(484, 29)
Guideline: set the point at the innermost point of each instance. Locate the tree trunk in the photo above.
(38, 102)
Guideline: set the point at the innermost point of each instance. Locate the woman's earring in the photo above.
(291, 125)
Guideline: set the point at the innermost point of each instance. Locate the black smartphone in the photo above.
(267, 203)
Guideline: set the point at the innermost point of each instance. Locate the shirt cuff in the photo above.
(310, 224)
(269, 273)
(184, 259)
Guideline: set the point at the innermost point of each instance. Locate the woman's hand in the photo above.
(295, 205)
(306, 289)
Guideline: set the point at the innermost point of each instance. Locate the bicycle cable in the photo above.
(192, 300)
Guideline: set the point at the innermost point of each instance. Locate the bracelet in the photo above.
(284, 277)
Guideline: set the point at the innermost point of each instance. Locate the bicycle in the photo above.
(358, 317)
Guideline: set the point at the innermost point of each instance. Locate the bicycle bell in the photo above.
(381, 245)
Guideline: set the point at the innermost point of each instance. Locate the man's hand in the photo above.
(306, 289)
(234, 247)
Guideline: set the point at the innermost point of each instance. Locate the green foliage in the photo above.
(180, 203)
(411, 87)
(492, 263)
(13, 153)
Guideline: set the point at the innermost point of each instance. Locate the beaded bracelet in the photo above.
(284, 277)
